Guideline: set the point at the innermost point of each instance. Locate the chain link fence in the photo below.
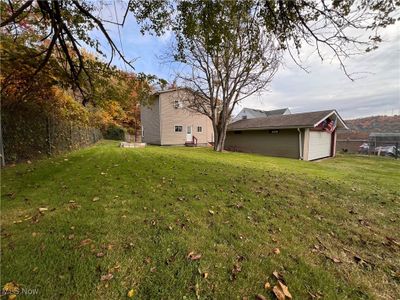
(28, 136)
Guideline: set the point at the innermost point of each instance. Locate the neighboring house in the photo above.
(166, 121)
(306, 136)
(250, 113)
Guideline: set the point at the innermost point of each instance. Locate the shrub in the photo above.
(114, 132)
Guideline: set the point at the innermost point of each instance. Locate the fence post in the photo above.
(48, 135)
(3, 161)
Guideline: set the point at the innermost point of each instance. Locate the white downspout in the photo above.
(300, 145)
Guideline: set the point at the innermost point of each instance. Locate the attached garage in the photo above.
(306, 136)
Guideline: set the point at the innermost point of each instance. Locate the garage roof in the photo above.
(301, 120)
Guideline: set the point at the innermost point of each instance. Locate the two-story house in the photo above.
(167, 120)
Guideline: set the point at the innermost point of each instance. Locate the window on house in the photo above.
(177, 104)
(244, 117)
(178, 128)
(199, 129)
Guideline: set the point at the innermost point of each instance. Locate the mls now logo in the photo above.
(28, 291)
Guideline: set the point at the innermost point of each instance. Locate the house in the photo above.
(167, 120)
(251, 113)
(306, 136)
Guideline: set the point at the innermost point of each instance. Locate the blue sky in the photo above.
(375, 92)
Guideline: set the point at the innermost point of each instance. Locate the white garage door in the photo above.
(320, 145)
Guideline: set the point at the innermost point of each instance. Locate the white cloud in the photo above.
(376, 90)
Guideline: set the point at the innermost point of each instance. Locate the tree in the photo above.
(63, 27)
(241, 64)
(210, 34)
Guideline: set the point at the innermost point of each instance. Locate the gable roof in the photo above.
(301, 120)
(267, 113)
(156, 93)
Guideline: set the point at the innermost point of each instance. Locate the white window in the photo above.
(142, 131)
(244, 117)
(199, 129)
(178, 128)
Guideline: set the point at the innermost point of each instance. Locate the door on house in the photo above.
(189, 135)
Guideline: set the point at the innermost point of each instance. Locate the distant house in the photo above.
(167, 120)
(251, 113)
(306, 136)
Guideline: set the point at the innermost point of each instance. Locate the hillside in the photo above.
(362, 127)
(190, 223)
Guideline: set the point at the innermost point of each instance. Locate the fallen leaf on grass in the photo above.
(260, 297)
(281, 291)
(85, 242)
(393, 241)
(100, 254)
(211, 212)
(193, 256)
(276, 251)
(131, 293)
(235, 270)
(334, 259)
(43, 209)
(71, 237)
(277, 275)
(106, 277)
(267, 286)
(95, 199)
(316, 295)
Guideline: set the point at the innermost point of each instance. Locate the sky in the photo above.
(375, 91)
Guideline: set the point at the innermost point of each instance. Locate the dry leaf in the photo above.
(285, 290)
(276, 251)
(86, 242)
(71, 237)
(193, 256)
(205, 275)
(260, 297)
(211, 212)
(100, 254)
(267, 286)
(95, 199)
(277, 275)
(106, 277)
(131, 293)
(278, 293)
(43, 209)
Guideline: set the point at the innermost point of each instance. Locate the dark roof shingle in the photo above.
(301, 120)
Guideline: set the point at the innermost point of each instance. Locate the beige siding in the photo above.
(171, 117)
(284, 144)
(150, 117)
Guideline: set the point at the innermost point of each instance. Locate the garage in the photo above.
(320, 144)
(305, 136)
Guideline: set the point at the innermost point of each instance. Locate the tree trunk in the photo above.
(219, 136)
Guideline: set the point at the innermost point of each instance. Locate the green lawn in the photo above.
(335, 222)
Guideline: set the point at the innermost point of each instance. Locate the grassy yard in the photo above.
(135, 215)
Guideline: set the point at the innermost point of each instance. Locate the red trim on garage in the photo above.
(333, 143)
